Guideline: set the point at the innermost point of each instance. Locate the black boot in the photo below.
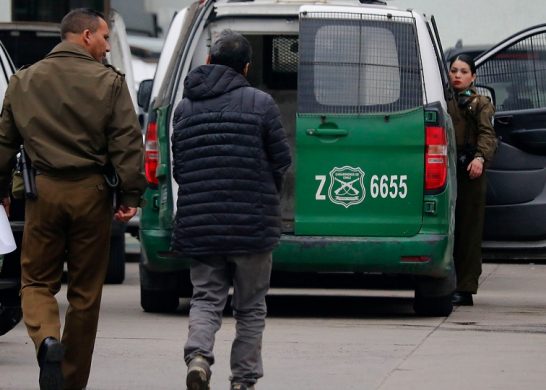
(50, 356)
(198, 377)
(462, 298)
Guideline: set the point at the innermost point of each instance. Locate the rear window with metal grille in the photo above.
(358, 64)
(280, 59)
(518, 75)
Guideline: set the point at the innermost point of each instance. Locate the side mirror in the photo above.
(144, 94)
(486, 91)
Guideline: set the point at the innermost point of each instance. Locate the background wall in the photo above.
(478, 21)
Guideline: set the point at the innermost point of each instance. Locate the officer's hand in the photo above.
(475, 168)
(6, 202)
(124, 213)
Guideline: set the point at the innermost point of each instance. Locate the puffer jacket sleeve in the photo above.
(276, 143)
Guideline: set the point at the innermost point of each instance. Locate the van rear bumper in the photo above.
(427, 255)
(422, 254)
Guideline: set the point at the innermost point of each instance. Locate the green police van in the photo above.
(361, 88)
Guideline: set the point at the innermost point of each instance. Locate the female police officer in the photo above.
(472, 116)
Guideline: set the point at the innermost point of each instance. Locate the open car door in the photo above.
(516, 197)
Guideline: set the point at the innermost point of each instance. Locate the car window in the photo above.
(281, 61)
(518, 75)
(380, 58)
(26, 46)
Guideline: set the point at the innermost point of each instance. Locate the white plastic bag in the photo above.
(7, 242)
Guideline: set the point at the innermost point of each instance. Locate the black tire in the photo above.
(158, 301)
(432, 306)
(10, 307)
(158, 293)
(433, 295)
(9, 318)
(116, 264)
(185, 287)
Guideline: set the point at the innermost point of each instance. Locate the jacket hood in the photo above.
(207, 81)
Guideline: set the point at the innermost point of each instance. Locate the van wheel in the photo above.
(116, 264)
(9, 317)
(158, 301)
(433, 295)
(158, 292)
(185, 286)
(10, 307)
(432, 306)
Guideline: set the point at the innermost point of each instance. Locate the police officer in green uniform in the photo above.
(74, 117)
(472, 117)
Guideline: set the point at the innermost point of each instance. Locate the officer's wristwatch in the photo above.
(480, 158)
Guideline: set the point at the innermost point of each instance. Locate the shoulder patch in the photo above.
(117, 70)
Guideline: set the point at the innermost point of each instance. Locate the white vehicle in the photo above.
(10, 310)
(361, 88)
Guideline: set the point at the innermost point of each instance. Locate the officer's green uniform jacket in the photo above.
(474, 120)
(74, 116)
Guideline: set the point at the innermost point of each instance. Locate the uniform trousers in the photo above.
(211, 277)
(69, 221)
(469, 217)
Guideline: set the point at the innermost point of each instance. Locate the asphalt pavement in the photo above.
(322, 339)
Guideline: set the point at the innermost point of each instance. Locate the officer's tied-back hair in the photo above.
(466, 59)
(80, 19)
(231, 49)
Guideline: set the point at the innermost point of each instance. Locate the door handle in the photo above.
(504, 120)
(327, 132)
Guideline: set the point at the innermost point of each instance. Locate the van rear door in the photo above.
(360, 132)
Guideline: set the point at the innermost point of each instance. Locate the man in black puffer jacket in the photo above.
(230, 155)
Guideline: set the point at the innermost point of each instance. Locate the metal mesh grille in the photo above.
(518, 75)
(284, 54)
(357, 64)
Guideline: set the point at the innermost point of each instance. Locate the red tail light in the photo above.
(415, 259)
(435, 158)
(151, 154)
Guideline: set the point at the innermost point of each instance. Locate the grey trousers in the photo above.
(211, 277)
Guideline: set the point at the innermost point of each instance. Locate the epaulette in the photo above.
(117, 70)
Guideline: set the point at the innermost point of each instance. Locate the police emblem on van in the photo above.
(346, 186)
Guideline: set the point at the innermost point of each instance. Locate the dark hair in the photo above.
(466, 59)
(80, 19)
(231, 49)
